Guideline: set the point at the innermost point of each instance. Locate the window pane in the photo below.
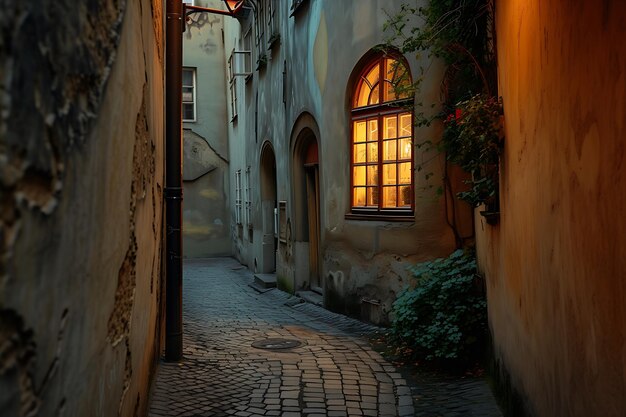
(372, 196)
(391, 130)
(389, 197)
(360, 134)
(405, 148)
(372, 133)
(389, 174)
(374, 74)
(359, 176)
(396, 75)
(372, 175)
(187, 77)
(389, 150)
(374, 96)
(359, 196)
(404, 199)
(404, 173)
(368, 83)
(372, 152)
(405, 124)
(364, 95)
(390, 94)
(188, 111)
(359, 153)
(187, 93)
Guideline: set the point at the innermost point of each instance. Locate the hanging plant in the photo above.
(261, 62)
(460, 34)
(472, 140)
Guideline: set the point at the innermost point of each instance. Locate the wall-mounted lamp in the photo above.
(232, 8)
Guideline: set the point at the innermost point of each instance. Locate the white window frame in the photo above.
(246, 49)
(248, 201)
(190, 2)
(193, 91)
(232, 80)
(238, 197)
(238, 65)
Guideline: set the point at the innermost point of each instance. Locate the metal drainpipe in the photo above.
(173, 180)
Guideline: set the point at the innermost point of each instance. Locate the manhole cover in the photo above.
(276, 344)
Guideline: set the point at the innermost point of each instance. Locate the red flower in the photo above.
(457, 113)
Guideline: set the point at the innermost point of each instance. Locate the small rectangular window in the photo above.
(189, 2)
(238, 197)
(189, 95)
(232, 86)
(272, 20)
(259, 19)
(248, 201)
(247, 48)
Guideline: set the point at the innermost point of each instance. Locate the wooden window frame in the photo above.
(378, 112)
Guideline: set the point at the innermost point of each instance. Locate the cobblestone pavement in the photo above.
(334, 372)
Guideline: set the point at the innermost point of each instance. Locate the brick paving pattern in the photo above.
(334, 372)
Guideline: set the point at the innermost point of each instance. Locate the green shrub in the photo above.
(444, 315)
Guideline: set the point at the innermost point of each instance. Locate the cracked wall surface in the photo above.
(206, 216)
(81, 151)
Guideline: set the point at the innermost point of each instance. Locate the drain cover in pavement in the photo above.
(276, 344)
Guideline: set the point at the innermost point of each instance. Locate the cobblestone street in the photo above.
(333, 372)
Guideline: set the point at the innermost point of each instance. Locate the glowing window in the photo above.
(382, 139)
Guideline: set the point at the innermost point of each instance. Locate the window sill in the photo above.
(385, 217)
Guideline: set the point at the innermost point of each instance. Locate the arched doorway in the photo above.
(268, 210)
(306, 191)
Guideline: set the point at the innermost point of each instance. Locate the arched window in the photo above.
(382, 139)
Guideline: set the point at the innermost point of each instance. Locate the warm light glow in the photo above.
(233, 5)
(382, 149)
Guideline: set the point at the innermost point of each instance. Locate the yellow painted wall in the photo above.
(556, 263)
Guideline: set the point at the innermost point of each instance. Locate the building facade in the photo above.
(206, 212)
(323, 155)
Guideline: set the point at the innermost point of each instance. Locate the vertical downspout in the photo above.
(173, 180)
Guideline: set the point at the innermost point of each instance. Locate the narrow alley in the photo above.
(332, 371)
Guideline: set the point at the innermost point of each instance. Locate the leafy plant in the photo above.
(471, 139)
(444, 314)
(273, 40)
(460, 34)
(261, 62)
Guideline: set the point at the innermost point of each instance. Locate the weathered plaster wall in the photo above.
(206, 216)
(555, 264)
(81, 150)
(320, 47)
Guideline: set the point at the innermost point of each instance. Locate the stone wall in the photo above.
(555, 264)
(81, 176)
